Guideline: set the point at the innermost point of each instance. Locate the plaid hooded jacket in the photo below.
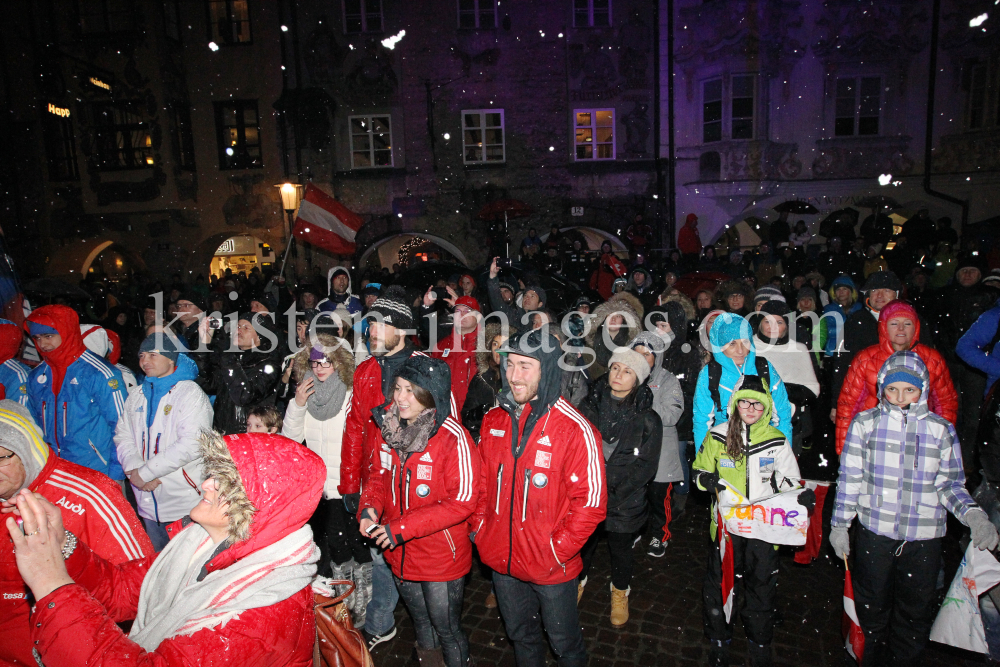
(901, 469)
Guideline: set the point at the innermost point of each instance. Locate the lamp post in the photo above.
(291, 196)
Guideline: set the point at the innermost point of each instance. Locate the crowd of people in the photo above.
(190, 459)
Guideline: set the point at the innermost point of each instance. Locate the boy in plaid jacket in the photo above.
(900, 473)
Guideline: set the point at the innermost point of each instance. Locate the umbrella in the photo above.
(796, 207)
(501, 208)
(879, 201)
(53, 287)
(839, 219)
(691, 283)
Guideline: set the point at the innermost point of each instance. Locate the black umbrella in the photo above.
(53, 287)
(796, 207)
(879, 202)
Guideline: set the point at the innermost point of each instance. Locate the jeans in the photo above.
(622, 561)
(157, 532)
(379, 619)
(526, 608)
(436, 610)
(894, 594)
(682, 488)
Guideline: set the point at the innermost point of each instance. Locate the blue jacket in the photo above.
(80, 423)
(834, 307)
(14, 378)
(972, 350)
(727, 328)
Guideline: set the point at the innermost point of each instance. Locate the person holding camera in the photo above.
(533, 298)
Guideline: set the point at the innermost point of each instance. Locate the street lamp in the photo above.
(291, 196)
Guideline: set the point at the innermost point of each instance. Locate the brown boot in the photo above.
(491, 600)
(581, 584)
(619, 606)
(429, 657)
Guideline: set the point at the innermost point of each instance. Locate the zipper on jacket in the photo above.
(393, 484)
(64, 418)
(91, 443)
(746, 460)
(156, 446)
(190, 481)
(524, 498)
(406, 497)
(451, 544)
(144, 447)
(499, 489)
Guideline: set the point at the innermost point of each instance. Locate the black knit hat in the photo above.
(882, 280)
(537, 289)
(972, 260)
(775, 307)
(194, 297)
(434, 376)
(394, 308)
(657, 314)
(677, 319)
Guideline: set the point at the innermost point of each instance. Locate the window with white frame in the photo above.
(477, 13)
(483, 136)
(362, 16)
(728, 113)
(591, 13)
(595, 134)
(371, 141)
(858, 107)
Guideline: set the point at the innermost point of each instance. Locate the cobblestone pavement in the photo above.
(665, 625)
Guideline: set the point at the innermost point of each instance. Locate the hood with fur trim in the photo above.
(273, 485)
(624, 303)
(483, 356)
(730, 287)
(338, 352)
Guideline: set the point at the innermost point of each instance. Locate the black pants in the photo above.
(660, 515)
(894, 593)
(620, 548)
(755, 566)
(337, 534)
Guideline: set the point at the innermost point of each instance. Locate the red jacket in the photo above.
(537, 510)
(75, 625)
(609, 268)
(860, 390)
(93, 509)
(360, 447)
(688, 239)
(461, 360)
(425, 503)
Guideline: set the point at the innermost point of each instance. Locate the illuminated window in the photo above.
(483, 136)
(362, 16)
(858, 106)
(60, 147)
(371, 141)
(172, 19)
(229, 21)
(728, 113)
(106, 16)
(183, 136)
(121, 137)
(595, 134)
(477, 13)
(591, 13)
(238, 126)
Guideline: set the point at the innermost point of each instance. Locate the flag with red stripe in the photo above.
(851, 628)
(324, 222)
(726, 557)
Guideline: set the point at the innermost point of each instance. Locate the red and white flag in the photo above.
(324, 222)
(726, 556)
(851, 628)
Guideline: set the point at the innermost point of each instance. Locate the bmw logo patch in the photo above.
(539, 480)
(423, 491)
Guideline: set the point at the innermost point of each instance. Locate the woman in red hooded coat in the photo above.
(860, 390)
(233, 585)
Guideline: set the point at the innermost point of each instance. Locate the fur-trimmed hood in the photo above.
(624, 303)
(730, 287)
(483, 357)
(673, 294)
(338, 352)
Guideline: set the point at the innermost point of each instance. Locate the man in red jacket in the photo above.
(543, 494)
(459, 349)
(688, 239)
(93, 508)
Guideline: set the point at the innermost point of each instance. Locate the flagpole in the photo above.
(285, 258)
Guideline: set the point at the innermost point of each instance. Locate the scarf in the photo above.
(612, 415)
(413, 437)
(328, 398)
(172, 602)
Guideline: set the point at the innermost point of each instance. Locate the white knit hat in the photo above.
(632, 359)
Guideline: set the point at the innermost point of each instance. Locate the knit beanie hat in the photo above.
(192, 296)
(971, 260)
(468, 302)
(632, 359)
(649, 340)
(903, 375)
(394, 308)
(537, 289)
(677, 318)
(20, 434)
(767, 293)
(806, 293)
(163, 344)
(506, 284)
(775, 307)
(883, 280)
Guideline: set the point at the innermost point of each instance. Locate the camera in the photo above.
(215, 323)
(504, 262)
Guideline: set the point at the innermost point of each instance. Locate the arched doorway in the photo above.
(406, 249)
(112, 262)
(242, 253)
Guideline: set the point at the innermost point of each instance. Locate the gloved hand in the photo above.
(807, 499)
(710, 482)
(351, 501)
(984, 533)
(841, 542)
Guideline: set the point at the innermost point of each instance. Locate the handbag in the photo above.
(338, 643)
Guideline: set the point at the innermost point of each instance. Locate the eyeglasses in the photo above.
(321, 364)
(7, 460)
(748, 404)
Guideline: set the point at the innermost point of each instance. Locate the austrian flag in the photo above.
(726, 557)
(324, 222)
